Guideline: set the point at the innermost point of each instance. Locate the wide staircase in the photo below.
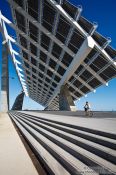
(65, 148)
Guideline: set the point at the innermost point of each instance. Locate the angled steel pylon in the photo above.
(18, 102)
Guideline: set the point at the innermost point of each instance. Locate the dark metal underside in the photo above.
(43, 72)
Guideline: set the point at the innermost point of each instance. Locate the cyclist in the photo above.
(87, 109)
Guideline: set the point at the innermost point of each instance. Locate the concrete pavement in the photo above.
(14, 159)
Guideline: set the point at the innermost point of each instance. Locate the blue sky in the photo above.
(104, 13)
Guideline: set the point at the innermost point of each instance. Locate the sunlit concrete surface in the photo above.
(76, 144)
(102, 121)
(14, 159)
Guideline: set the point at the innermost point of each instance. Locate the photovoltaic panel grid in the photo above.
(51, 36)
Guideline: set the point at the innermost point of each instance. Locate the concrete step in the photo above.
(73, 165)
(90, 130)
(84, 156)
(51, 164)
(110, 143)
(74, 149)
(97, 149)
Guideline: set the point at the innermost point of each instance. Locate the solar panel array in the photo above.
(49, 42)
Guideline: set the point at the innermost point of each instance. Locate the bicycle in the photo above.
(89, 113)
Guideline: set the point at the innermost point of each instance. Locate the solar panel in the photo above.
(52, 36)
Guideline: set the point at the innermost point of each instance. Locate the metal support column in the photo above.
(18, 102)
(4, 79)
(66, 102)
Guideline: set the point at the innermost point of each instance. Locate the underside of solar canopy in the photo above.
(59, 46)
